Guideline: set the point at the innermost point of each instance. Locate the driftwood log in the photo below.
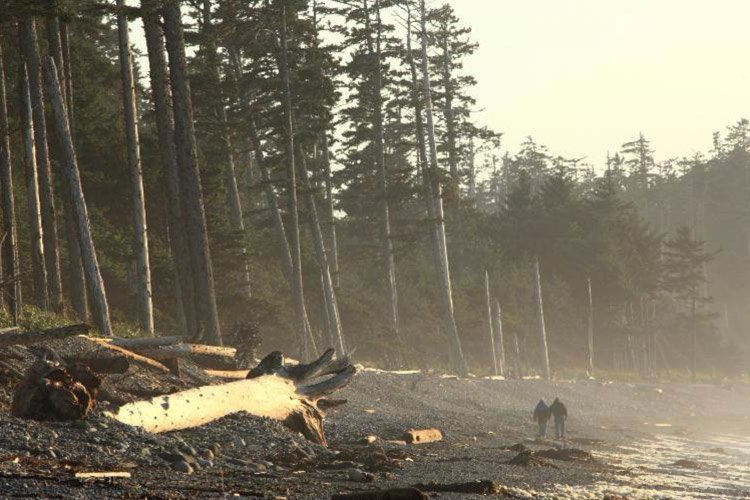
(274, 389)
(208, 356)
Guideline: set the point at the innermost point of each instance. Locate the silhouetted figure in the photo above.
(541, 415)
(561, 415)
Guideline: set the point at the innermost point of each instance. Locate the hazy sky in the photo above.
(584, 76)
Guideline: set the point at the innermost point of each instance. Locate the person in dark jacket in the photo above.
(541, 415)
(560, 413)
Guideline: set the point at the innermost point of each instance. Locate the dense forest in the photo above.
(313, 172)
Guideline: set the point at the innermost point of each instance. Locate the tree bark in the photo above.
(543, 352)
(497, 314)
(59, 44)
(490, 320)
(140, 225)
(30, 51)
(32, 188)
(446, 292)
(191, 193)
(70, 167)
(590, 357)
(159, 77)
(9, 248)
(332, 307)
(297, 288)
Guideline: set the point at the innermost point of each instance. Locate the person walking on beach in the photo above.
(541, 415)
(560, 413)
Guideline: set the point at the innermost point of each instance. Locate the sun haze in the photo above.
(584, 76)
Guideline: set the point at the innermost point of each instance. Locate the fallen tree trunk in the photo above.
(42, 336)
(135, 357)
(229, 374)
(209, 356)
(145, 341)
(275, 396)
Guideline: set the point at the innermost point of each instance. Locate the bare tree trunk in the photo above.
(32, 188)
(59, 48)
(422, 167)
(446, 292)
(30, 51)
(67, 66)
(590, 366)
(385, 218)
(543, 352)
(70, 167)
(497, 314)
(287, 265)
(297, 288)
(9, 248)
(140, 225)
(162, 97)
(332, 241)
(191, 192)
(488, 303)
(332, 307)
(450, 125)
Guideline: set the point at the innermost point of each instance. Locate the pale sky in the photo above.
(584, 76)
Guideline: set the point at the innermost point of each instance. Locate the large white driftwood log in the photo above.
(274, 389)
(268, 396)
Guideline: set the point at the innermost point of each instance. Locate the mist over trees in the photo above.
(316, 168)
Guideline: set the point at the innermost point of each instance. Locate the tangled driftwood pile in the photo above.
(162, 384)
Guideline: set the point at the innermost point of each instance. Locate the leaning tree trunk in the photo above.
(296, 253)
(143, 266)
(543, 352)
(450, 125)
(332, 308)
(497, 316)
(162, 97)
(421, 147)
(488, 303)
(70, 168)
(385, 218)
(446, 292)
(590, 357)
(59, 48)
(191, 192)
(30, 51)
(9, 246)
(32, 190)
(332, 241)
(287, 265)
